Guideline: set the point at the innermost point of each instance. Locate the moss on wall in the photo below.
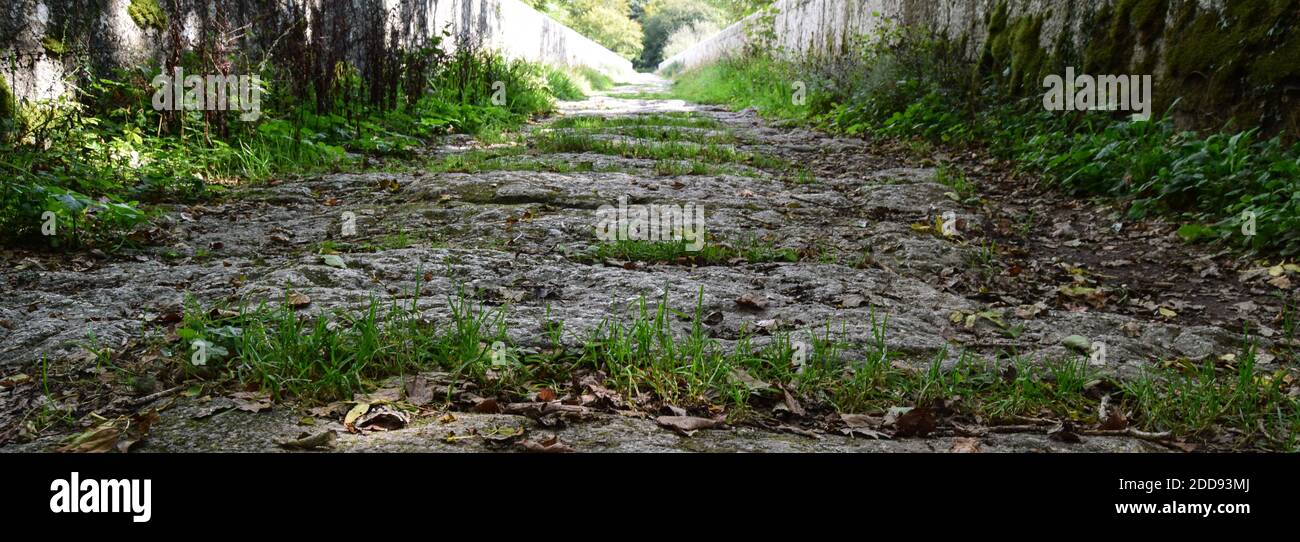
(1242, 63)
(147, 14)
(53, 45)
(1013, 47)
(1245, 60)
(7, 107)
(1117, 30)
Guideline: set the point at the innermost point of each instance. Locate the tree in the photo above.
(689, 35)
(607, 22)
(664, 17)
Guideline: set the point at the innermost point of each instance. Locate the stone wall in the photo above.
(1217, 59)
(801, 28)
(43, 41)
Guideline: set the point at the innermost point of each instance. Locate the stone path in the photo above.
(516, 237)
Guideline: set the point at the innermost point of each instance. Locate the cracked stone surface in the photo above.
(464, 229)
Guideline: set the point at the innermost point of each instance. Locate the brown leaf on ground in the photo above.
(965, 445)
(328, 411)
(99, 439)
(546, 395)
(600, 392)
(742, 376)
(865, 432)
(550, 445)
(687, 425)
(487, 406)
(251, 401)
(751, 300)
(791, 404)
(296, 300)
(137, 429)
(307, 441)
(860, 420)
(863, 425)
(116, 435)
(501, 435)
(382, 418)
(14, 380)
(673, 410)
(799, 431)
(917, 422)
(1114, 421)
(350, 419)
(419, 391)
(390, 394)
(539, 410)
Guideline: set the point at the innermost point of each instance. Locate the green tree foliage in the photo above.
(686, 22)
(689, 35)
(639, 29)
(607, 22)
(664, 17)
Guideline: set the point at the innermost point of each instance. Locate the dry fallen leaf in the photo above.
(910, 422)
(327, 411)
(687, 425)
(418, 391)
(791, 404)
(965, 445)
(353, 415)
(600, 393)
(296, 299)
(307, 441)
(382, 418)
(487, 406)
(14, 380)
(862, 425)
(118, 434)
(390, 394)
(547, 446)
(751, 300)
(1117, 421)
(753, 384)
(251, 401)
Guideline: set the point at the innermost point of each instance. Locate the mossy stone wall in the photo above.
(1220, 61)
(1216, 63)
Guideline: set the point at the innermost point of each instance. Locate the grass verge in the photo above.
(670, 356)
